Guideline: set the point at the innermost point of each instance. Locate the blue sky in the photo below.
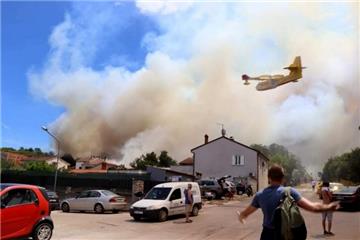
(26, 28)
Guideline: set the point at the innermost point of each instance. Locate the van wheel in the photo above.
(65, 207)
(99, 208)
(195, 210)
(137, 218)
(162, 215)
(42, 232)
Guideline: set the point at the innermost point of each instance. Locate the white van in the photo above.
(166, 199)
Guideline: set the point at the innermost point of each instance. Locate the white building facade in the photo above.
(225, 156)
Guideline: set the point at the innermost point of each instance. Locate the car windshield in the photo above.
(158, 193)
(205, 182)
(107, 193)
(51, 194)
(348, 190)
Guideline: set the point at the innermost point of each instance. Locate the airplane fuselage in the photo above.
(273, 83)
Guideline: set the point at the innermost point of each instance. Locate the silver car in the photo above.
(94, 200)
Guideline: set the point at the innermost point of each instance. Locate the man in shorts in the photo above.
(326, 196)
(188, 202)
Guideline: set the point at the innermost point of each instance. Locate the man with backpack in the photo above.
(280, 204)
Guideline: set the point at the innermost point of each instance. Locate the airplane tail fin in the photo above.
(296, 64)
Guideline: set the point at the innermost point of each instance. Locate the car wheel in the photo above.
(215, 194)
(65, 207)
(99, 208)
(195, 210)
(115, 211)
(137, 218)
(162, 215)
(43, 232)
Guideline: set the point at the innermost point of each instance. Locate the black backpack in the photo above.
(287, 219)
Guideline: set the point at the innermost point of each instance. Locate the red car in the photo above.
(25, 212)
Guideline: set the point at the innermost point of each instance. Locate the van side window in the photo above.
(176, 194)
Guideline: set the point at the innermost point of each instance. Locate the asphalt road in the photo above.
(215, 221)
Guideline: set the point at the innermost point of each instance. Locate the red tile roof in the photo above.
(187, 161)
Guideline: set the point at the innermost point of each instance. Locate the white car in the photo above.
(94, 200)
(166, 199)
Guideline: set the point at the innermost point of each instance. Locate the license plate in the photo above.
(138, 212)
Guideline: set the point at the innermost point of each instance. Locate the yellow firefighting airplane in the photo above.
(273, 81)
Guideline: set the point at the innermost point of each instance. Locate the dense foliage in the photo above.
(151, 159)
(295, 173)
(34, 165)
(343, 167)
(29, 152)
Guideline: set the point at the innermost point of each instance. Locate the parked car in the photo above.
(164, 200)
(349, 197)
(211, 188)
(25, 212)
(334, 186)
(242, 188)
(53, 200)
(94, 200)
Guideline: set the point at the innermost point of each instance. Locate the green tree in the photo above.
(280, 155)
(38, 151)
(39, 166)
(8, 149)
(165, 160)
(343, 167)
(151, 159)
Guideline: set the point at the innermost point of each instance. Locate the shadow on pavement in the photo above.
(179, 218)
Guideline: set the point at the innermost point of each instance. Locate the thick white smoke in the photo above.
(191, 79)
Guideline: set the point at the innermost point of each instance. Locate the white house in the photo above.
(62, 164)
(225, 156)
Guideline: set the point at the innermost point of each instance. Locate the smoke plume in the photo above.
(190, 78)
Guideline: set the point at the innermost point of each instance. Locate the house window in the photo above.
(238, 160)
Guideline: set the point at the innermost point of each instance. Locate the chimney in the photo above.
(206, 138)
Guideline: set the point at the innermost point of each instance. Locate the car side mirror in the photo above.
(3, 205)
(36, 202)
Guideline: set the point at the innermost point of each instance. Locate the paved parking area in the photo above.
(217, 220)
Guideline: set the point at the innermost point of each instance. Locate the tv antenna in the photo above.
(223, 131)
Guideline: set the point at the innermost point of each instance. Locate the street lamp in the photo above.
(57, 155)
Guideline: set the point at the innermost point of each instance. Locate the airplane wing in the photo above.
(262, 77)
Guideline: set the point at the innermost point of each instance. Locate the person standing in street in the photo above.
(326, 197)
(188, 202)
(269, 198)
